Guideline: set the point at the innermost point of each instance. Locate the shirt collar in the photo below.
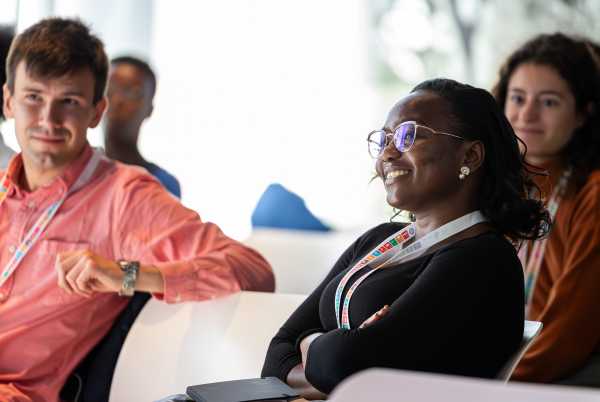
(63, 182)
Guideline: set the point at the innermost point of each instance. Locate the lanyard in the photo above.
(44, 220)
(533, 264)
(390, 251)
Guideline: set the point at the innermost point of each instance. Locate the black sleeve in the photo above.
(421, 322)
(282, 354)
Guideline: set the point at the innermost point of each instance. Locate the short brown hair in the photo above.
(55, 47)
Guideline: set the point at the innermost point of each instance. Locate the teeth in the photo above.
(396, 173)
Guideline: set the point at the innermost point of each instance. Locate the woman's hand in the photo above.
(305, 344)
(376, 317)
(297, 380)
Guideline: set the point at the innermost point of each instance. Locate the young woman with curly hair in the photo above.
(550, 91)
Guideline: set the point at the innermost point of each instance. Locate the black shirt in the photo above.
(458, 310)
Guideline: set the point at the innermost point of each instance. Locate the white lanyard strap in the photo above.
(533, 264)
(410, 252)
(44, 220)
(440, 234)
(381, 252)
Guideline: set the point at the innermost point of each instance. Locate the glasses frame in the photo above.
(396, 134)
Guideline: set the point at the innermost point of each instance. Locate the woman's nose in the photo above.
(390, 151)
(530, 111)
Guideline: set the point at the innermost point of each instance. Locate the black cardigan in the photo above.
(458, 310)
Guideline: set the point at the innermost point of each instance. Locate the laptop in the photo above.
(253, 389)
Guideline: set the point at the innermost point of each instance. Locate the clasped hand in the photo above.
(82, 272)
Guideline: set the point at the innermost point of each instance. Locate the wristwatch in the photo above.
(130, 268)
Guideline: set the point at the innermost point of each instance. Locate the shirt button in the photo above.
(31, 205)
(11, 249)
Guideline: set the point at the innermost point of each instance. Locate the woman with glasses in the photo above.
(444, 293)
(550, 91)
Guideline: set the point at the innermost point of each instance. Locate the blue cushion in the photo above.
(280, 208)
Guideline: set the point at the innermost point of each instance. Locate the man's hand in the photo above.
(84, 273)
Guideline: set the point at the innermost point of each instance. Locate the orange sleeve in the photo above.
(571, 326)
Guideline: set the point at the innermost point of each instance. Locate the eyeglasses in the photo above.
(404, 137)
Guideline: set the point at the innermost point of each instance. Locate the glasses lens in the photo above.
(376, 141)
(404, 137)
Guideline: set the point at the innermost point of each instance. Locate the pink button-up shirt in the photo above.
(122, 212)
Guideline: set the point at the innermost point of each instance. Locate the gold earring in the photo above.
(464, 172)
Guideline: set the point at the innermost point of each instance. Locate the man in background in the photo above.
(6, 37)
(131, 89)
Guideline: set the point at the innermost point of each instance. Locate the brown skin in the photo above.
(431, 189)
(297, 380)
(129, 105)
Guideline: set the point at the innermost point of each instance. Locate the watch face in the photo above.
(130, 268)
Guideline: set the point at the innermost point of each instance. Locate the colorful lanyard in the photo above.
(389, 251)
(533, 264)
(42, 223)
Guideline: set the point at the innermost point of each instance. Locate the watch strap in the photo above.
(130, 270)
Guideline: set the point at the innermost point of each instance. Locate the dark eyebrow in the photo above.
(32, 89)
(71, 92)
(399, 124)
(545, 92)
(549, 92)
(74, 93)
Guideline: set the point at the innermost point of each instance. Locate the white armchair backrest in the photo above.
(171, 347)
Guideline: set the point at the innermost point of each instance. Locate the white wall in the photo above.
(251, 92)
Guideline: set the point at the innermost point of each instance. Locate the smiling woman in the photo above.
(550, 91)
(446, 153)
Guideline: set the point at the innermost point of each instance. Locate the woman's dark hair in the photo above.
(574, 60)
(504, 196)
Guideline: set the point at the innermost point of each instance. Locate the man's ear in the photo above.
(7, 103)
(99, 109)
(474, 155)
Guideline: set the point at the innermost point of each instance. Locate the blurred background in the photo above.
(252, 92)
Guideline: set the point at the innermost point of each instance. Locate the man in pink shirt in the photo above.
(79, 231)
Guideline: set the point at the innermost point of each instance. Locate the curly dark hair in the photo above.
(574, 60)
(504, 197)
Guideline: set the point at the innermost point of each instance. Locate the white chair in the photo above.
(530, 332)
(385, 385)
(300, 258)
(171, 347)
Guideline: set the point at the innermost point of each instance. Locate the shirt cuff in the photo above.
(183, 282)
